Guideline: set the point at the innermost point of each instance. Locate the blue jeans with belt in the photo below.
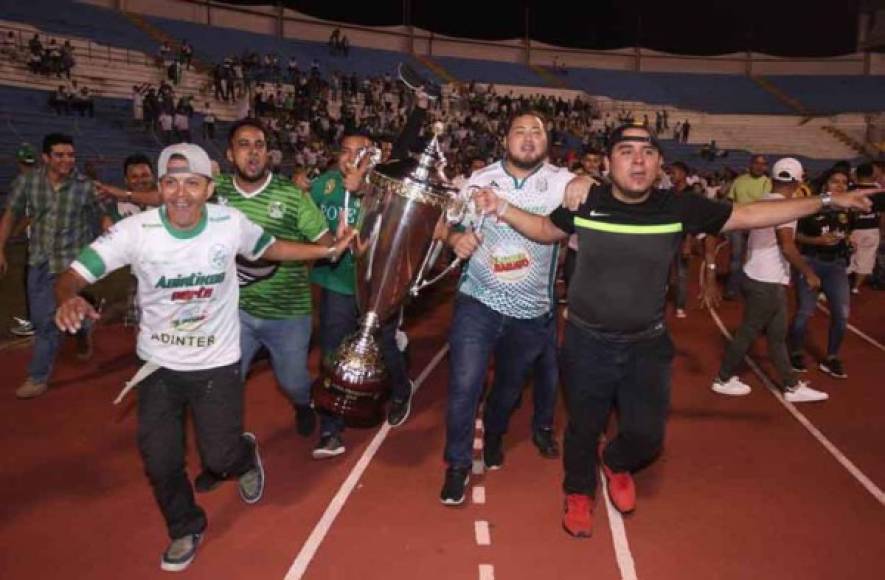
(477, 333)
(834, 283)
(287, 340)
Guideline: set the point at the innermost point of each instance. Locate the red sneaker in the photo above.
(621, 489)
(578, 517)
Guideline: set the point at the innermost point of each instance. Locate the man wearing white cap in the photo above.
(183, 254)
(770, 252)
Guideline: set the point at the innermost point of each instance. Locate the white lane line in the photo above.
(865, 481)
(486, 572)
(619, 535)
(477, 444)
(310, 547)
(478, 425)
(481, 531)
(478, 467)
(479, 494)
(856, 330)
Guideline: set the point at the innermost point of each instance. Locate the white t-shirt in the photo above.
(510, 273)
(765, 261)
(187, 282)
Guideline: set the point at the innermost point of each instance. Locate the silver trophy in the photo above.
(395, 252)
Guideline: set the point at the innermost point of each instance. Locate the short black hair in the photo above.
(681, 166)
(864, 171)
(247, 122)
(137, 159)
(53, 139)
(528, 113)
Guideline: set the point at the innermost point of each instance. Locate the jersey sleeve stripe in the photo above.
(262, 244)
(91, 264)
(318, 236)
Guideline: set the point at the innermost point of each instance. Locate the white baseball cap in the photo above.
(197, 160)
(787, 169)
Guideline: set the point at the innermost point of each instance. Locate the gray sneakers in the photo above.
(180, 553)
(30, 389)
(251, 483)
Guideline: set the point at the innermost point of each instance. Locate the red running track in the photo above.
(741, 491)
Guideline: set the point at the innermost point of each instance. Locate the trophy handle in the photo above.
(430, 259)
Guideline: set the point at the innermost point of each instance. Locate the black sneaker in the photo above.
(328, 446)
(251, 483)
(546, 443)
(454, 488)
(180, 553)
(833, 367)
(399, 409)
(305, 420)
(492, 452)
(797, 361)
(206, 481)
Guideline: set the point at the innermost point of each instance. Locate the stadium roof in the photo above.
(697, 27)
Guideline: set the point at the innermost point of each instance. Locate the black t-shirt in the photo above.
(829, 221)
(625, 251)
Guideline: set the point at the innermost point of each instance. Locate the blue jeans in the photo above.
(339, 317)
(47, 337)
(834, 283)
(545, 382)
(477, 333)
(599, 373)
(287, 340)
(738, 241)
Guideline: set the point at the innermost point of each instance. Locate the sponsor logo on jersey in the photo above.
(253, 271)
(190, 317)
(202, 293)
(276, 210)
(178, 340)
(510, 263)
(541, 184)
(330, 187)
(221, 200)
(196, 279)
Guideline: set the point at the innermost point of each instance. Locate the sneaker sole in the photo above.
(578, 535)
(460, 500)
(731, 393)
(325, 454)
(260, 467)
(818, 400)
(403, 419)
(828, 371)
(180, 566)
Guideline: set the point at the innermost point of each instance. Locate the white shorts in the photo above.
(866, 244)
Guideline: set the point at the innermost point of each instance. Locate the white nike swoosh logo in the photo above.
(594, 213)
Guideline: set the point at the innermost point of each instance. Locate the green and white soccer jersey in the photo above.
(274, 290)
(187, 285)
(508, 272)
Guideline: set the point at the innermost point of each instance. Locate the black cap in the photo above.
(617, 136)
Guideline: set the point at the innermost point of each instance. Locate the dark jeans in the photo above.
(598, 373)
(339, 316)
(738, 241)
(680, 280)
(47, 337)
(765, 308)
(215, 397)
(834, 283)
(518, 345)
(545, 381)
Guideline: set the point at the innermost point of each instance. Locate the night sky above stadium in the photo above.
(786, 28)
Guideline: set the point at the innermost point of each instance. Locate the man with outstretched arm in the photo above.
(183, 254)
(616, 346)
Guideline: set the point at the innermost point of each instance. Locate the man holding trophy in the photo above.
(505, 306)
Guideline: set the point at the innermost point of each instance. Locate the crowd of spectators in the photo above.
(47, 59)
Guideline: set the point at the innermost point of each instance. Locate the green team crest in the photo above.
(276, 210)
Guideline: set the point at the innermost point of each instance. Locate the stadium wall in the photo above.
(264, 20)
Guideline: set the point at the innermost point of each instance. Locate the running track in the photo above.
(742, 491)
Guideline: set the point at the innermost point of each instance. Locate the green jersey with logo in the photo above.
(329, 194)
(274, 290)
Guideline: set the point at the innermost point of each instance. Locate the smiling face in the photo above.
(350, 148)
(526, 142)
(184, 194)
(634, 165)
(60, 160)
(139, 177)
(837, 183)
(247, 150)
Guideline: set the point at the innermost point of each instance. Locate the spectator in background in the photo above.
(208, 122)
(65, 212)
(686, 130)
(864, 232)
(60, 101)
(26, 159)
(747, 188)
(181, 121)
(679, 173)
(166, 122)
(186, 54)
(67, 58)
(82, 102)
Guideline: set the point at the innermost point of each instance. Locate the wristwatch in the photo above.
(129, 196)
(826, 199)
(332, 253)
(711, 266)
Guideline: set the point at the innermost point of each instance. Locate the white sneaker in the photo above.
(802, 393)
(733, 387)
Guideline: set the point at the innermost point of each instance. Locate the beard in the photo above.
(260, 174)
(528, 163)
